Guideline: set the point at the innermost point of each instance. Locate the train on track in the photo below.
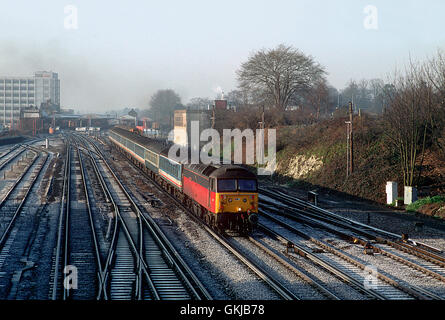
(224, 196)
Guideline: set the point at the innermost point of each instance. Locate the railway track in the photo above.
(11, 156)
(300, 208)
(308, 209)
(57, 285)
(81, 245)
(9, 151)
(280, 289)
(389, 288)
(397, 251)
(20, 191)
(376, 244)
(141, 264)
(16, 209)
(348, 268)
(303, 284)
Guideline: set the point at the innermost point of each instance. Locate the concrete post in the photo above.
(410, 195)
(391, 192)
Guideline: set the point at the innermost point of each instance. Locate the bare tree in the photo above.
(409, 118)
(277, 74)
(434, 72)
(199, 103)
(317, 97)
(163, 104)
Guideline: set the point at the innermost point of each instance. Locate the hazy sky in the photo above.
(123, 51)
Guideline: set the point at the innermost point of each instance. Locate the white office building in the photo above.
(17, 93)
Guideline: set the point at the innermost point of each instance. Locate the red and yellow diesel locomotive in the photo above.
(225, 196)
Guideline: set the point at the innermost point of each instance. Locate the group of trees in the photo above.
(163, 103)
(275, 79)
(284, 81)
(366, 94)
(288, 83)
(415, 116)
(290, 86)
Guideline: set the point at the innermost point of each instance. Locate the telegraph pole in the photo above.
(349, 142)
(347, 148)
(351, 139)
(260, 152)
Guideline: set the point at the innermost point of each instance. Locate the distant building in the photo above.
(47, 88)
(17, 93)
(220, 104)
(30, 119)
(67, 111)
(128, 120)
(182, 125)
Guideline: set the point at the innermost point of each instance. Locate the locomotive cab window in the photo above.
(247, 185)
(227, 185)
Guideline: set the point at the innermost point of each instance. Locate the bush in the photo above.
(428, 200)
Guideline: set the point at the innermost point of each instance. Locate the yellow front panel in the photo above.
(233, 202)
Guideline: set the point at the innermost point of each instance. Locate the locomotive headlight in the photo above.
(239, 209)
(230, 200)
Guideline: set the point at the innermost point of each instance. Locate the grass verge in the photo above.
(428, 200)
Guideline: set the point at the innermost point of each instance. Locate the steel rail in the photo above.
(412, 290)
(8, 161)
(139, 260)
(22, 203)
(356, 239)
(9, 151)
(314, 220)
(322, 263)
(313, 282)
(66, 255)
(292, 201)
(60, 227)
(275, 285)
(179, 265)
(112, 249)
(14, 186)
(102, 290)
(90, 217)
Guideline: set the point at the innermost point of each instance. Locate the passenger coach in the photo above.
(225, 196)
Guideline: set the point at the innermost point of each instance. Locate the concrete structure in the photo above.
(128, 120)
(182, 125)
(17, 93)
(391, 192)
(410, 195)
(30, 119)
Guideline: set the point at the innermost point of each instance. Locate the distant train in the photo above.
(225, 196)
